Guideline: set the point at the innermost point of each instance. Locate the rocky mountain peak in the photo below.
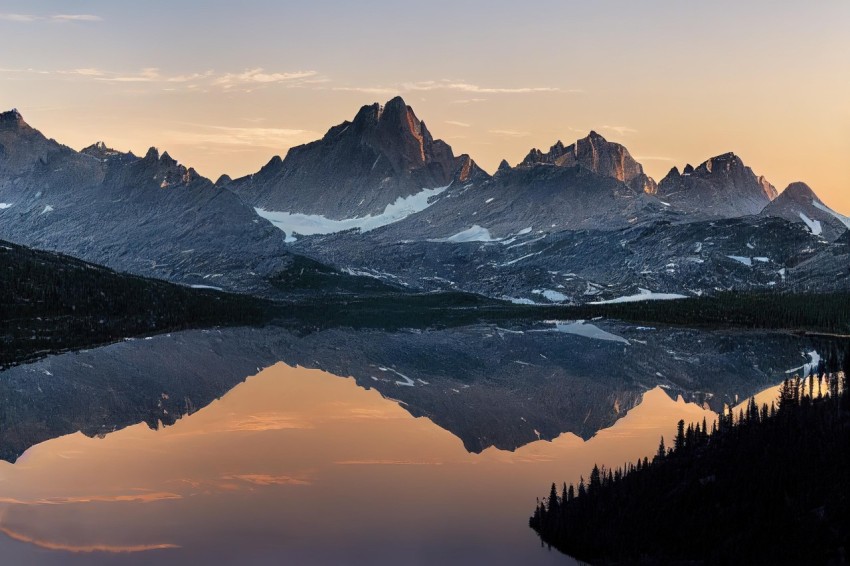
(467, 170)
(503, 166)
(800, 192)
(725, 163)
(720, 187)
(152, 155)
(769, 190)
(12, 119)
(597, 154)
(383, 154)
(100, 151)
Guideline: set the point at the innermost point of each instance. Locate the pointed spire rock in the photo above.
(503, 166)
(152, 154)
(720, 187)
(384, 153)
(12, 119)
(595, 153)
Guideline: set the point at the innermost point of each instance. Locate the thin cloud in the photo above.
(146, 497)
(468, 100)
(449, 85)
(267, 479)
(88, 548)
(259, 76)
(622, 130)
(76, 18)
(27, 18)
(461, 124)
(380, 462)
(24, 18)
(653, 158)
(367, 89)
(249, 137)
(509, 133)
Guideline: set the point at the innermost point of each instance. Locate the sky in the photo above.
(224, 86)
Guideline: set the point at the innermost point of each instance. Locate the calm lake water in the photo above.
(299, 466)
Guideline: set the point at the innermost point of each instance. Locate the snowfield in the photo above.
(310, 224)
(643, 295)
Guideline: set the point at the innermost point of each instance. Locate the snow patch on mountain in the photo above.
(807, 368)
(5, 205)
(643, 295)
(814, 225)
(741, 259)
(550, 295)
(475, 233)
(581, 328)
(843, 219)
(311, 224)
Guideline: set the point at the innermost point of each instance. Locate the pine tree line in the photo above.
(766, 486)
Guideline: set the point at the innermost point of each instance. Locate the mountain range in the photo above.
(380, 197)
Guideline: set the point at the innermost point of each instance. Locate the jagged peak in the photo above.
(12, 118)
(273, 163)
(769, 190)
(167, 160)
(594, 135)
(152, 154)
(467, 169)
(100, 150)
(503, 166)
(799, 191)
(224, 180)
(688, 170)
(723, 162)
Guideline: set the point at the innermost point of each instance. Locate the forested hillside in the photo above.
(51, 302)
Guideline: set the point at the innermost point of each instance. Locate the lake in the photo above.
(354, 460)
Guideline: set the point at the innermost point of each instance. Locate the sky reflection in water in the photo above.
(299, 466)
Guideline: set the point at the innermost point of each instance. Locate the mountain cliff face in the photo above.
(149, 216)
(721, 187)
(358, 167)
(798, 203)
(598, 155)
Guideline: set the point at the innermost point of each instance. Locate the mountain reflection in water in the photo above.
(303, 467)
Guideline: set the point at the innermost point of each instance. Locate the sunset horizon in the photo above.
(760, 94)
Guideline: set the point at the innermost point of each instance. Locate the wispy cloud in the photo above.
(653, 158)
(455, 123)
(24, 18)
(27, 18)
(247, 80)
(249, 137)
(88, 548)
(259, 76)
(509, 133)
(622, 130)
(267, 479)
(143, 497)
(468, 100)
(368, 89)
(449, 85)
(76, 18)
(381, 462)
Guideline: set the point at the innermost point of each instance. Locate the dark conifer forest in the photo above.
(51, 303)
(765, 485)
